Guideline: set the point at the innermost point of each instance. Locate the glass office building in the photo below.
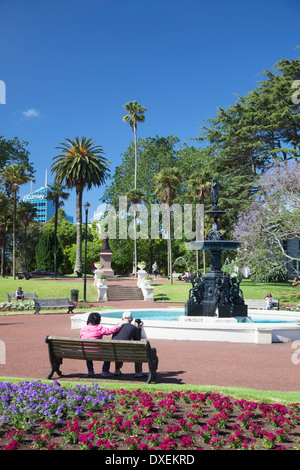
(45, 209)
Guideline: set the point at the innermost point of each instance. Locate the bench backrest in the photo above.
(103, 350)
(30, 295)
(52, 302)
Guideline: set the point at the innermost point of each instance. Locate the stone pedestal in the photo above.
(148, 292)
(102, 292)
(105, 258)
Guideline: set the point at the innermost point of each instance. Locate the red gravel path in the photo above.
(261, 367)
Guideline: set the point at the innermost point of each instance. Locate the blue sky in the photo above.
(69, 66)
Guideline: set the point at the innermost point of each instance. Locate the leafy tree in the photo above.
(26, 214)
(5, 211)
(272, 218)
(167, 182)
(14, 152)
(82, 165)
(13, 176)
(57, 194)
(44, 253)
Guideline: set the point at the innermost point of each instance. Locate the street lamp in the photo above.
(86, 205)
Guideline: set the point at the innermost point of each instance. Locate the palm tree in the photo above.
(81, 164)
(135, 114)
(58, 195)
(167, 181)
(135, 196)
(13, 176)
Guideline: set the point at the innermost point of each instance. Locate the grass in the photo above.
(179, 292)
(164, 291)
(49, 288)
(263, 396)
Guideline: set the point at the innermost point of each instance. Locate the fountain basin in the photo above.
(206, 328)
(214, 245)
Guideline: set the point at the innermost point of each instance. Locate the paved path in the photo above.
(261, 367)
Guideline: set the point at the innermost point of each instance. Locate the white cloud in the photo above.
(32, 112)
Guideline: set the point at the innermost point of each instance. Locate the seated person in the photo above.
(19, 294)
(295, 282)
(93, 330)
(270, 301)
(128, 332)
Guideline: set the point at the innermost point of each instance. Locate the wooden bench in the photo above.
(24, 275)
(40, 304)
(27, 296)
(60, 348)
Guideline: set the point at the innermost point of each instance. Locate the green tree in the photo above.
(82, 165)
(44, 250)
(58, 195)
(135, 197)
(167, 182)
(5, 210)
(14, 151)
(13, 176)
(135, 114)
(26, 214)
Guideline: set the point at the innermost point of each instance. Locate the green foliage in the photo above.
(93, 254)
(14, 151)
(268, 270)
(44, 253)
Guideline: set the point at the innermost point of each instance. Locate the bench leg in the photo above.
(153, 365)
(55, 368)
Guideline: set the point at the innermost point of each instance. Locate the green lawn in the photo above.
(179, 292)
(48, 288)
(163, 291)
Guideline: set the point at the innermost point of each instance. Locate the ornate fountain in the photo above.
(216, 293)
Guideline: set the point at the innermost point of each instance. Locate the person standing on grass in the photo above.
(93, 330)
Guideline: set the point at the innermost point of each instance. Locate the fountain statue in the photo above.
(216, 293)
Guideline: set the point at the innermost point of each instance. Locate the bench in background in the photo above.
(261, 303)
(60, 348)
(40, 304)
(27, 296)
(24, 275)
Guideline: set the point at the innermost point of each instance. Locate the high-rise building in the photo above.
(45, 209)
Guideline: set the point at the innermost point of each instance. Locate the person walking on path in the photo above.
(94, 330)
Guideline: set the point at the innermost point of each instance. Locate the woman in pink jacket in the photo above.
(93, 330)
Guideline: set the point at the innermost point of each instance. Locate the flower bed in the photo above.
(38, 416)
(29, 305)
(289, 307)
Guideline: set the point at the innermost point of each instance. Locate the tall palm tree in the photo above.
(13, 176)
(58, 195)
(136, 196)
(81, 164)
(135, 114)
(166, 183)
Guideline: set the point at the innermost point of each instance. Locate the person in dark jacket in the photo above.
(127, 332)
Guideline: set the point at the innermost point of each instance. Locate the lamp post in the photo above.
(86, 205)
